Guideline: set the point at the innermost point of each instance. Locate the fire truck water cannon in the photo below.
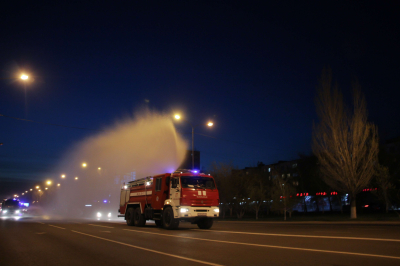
(184, 195)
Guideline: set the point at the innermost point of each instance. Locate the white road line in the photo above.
(100, 225)
(271, 246)
(40, 223)
(150, 250)
(56, 226)
(309, 236)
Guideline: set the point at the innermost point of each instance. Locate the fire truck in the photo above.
(184, 195)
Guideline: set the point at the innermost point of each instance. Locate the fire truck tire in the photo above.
(138, 218)
(205, 223)
(129, 217)
(169, 222)
(158, 223)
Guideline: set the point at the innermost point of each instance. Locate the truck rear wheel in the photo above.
(138, 218)
(129, 217)
(205, 223)
(169, 222)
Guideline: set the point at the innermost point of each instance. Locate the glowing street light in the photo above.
(40, 190)
(48, 182)
(210, 124)
(15, 195)
(84, 165)
(37, 187)
(46, 188)
(76, 178)
(26, 191)
(24, 77)
(62, 176)
(30, 189)
(99, 168)
(58, 185)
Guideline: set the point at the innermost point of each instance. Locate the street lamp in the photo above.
(84, 165)
(48, 182)
(25, 78)
(210, 124)
(62, 176)
(76, 178)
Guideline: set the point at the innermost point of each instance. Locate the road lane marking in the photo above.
(150, 250)
(56, 226)
(310, 236)
(100, 225)
(271, 246)
(105, 231)
(40, 223)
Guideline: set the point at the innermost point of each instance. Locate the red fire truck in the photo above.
(169, 198)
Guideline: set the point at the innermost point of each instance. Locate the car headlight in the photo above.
(98, 214)
(109, 215)
(17, 211)
(216, 210)
(183, 210)
(5, 211)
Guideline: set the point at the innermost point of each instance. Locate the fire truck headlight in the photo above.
(183, 210)
(109, 215)
(17, 211)
(98, 214)
(216, 210)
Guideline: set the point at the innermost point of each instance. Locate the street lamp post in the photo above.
(210, 124)
(25, 78)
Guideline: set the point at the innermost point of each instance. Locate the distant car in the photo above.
(100, 211)
(11, 208)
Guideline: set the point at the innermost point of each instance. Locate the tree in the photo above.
(258, 188)
(383, 181)
(223, 177)
(241, 183)
(345, 143)
(283, 193)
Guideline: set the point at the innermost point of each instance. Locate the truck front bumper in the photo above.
(189, 212)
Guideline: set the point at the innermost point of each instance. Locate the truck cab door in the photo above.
(175, 192)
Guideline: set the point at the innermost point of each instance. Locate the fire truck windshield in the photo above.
(197, 182)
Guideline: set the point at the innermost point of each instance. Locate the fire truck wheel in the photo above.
(205, 223)
(158, 223)
(169, 222)
(138, 218)
(129, 217)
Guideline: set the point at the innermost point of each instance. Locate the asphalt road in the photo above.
(84, 242)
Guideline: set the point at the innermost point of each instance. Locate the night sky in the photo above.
(250, 66)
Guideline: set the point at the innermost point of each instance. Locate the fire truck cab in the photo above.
(169, 198)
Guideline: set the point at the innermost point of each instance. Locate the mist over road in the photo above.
(86, 242)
